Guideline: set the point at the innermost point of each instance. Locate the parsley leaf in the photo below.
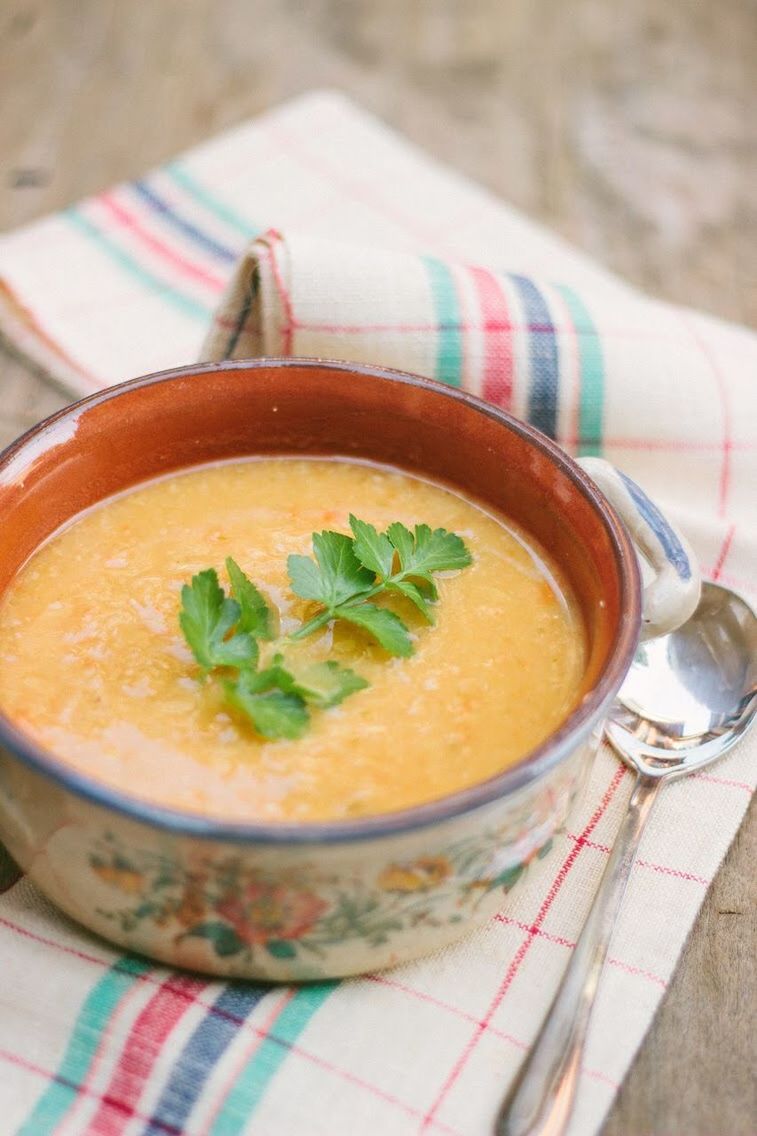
(255, 616)
(427, 550)
(274, 699)
(333, 578)
(274, 713)
(206, 618)
(337, 574)
(327, 684)
(272, 677)
(382, 624)
(374, 550)
(305, 577)
(413, 593)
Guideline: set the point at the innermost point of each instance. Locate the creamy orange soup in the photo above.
(94, 667)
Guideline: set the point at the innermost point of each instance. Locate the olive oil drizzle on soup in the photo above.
(93, 664)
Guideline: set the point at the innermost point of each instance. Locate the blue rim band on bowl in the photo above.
(674, 550)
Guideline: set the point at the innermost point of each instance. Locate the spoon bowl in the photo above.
(689, 695)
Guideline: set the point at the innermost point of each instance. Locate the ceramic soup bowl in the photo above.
(313, 900)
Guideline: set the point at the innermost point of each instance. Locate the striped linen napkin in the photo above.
(409, 265)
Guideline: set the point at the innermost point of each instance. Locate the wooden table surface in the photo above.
(631, 129)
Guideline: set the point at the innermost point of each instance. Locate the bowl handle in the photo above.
(672, 595)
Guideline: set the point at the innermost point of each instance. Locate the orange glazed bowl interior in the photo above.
(168, 422)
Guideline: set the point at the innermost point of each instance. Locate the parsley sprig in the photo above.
(345, 574)
(223, 633)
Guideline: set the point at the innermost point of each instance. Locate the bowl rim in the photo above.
(556, 747)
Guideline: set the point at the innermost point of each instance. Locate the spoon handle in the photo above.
(540, 1102)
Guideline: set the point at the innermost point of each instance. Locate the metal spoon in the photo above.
(688, 697)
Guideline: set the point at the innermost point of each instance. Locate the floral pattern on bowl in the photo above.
(240, 909)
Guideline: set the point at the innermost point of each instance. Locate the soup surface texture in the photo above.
(93, 664)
